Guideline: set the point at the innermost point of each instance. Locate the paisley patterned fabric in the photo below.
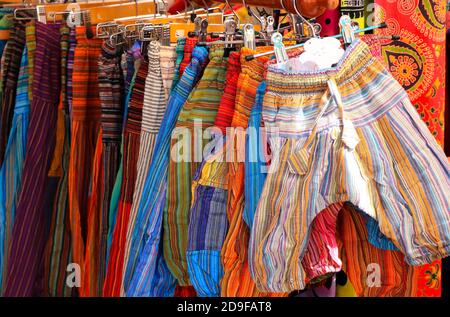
(417, 61)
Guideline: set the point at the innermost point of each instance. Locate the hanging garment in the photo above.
(55, 172)
(58, 252)
(368, 133)
(27, 246)
(11, 67)
(373, 272)
(70, 61)
(130, 61)
(161, 61)
(115, 196)
(2, 66)
(167, 58)
(187, 144)
(180, 56)
(236, 281)
(256, 157)
(12, 168)
(86, 113)
(321, 256)
(131, 144)
(112, 117)
(189, 45)
(105, 165)
(208, 223)
(147, 273)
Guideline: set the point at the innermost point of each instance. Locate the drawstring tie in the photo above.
(298, 162)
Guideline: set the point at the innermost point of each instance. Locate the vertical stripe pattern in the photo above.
(58, 249)
(147, 272)
(29, 233)
(161, 64)
(131, 144)
(85, 128)
(187, 144)
(367, 145)
(208, 223)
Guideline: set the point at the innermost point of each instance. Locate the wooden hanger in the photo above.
(111, 12)
(100, 12)
(54, 11)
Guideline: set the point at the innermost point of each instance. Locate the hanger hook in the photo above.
(294, 2)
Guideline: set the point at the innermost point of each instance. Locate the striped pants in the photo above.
(201, 106)
(343, 144)
(86, 114)
(157, 89)
(131, 144)
(208, 223)
(27, 246)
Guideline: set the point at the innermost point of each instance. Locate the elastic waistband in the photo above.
(357, 57)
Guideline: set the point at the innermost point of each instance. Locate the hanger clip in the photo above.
(249, 36)
(203, 31)
(270, 23)
(41, 14)
(347, 29)
(230, 31)
(279, 49)
(197, 26)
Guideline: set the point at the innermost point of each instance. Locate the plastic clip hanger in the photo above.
(347, 29)
(279, 49)
(230, 31)
(249, 36)
(203, 31)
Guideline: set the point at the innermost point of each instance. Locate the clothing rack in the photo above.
(337, 36)
(308, 8)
